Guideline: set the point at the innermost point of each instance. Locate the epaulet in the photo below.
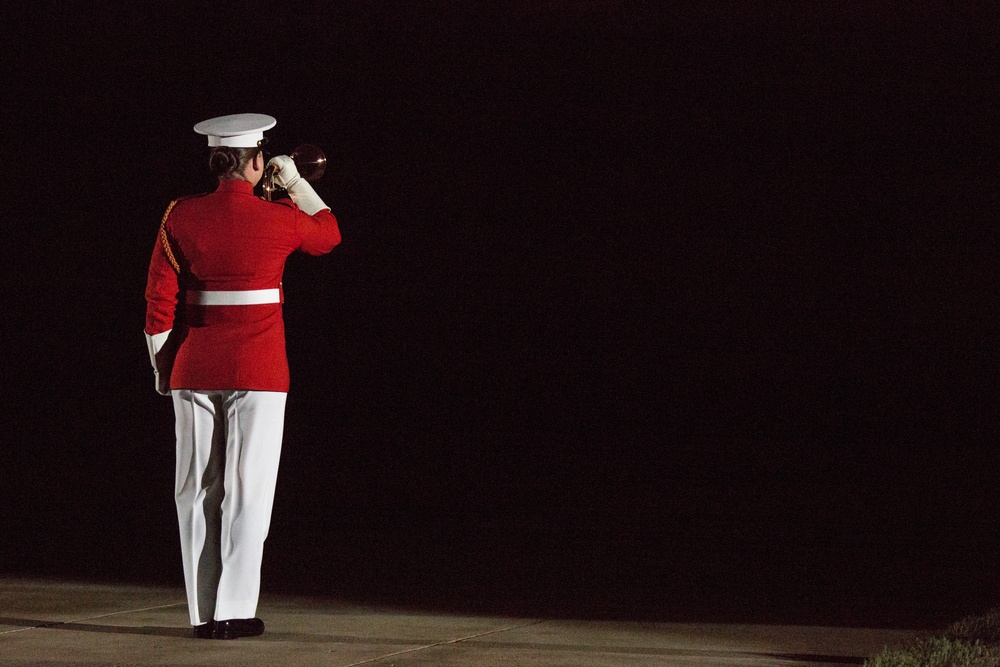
(163, 231)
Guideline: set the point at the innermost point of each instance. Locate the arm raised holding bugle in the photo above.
(306, 163)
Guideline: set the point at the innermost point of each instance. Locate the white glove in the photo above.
(154, 343)
(286, 175)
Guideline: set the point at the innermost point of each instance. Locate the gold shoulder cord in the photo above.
(163, 238)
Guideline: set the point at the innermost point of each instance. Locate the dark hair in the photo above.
(227, 162)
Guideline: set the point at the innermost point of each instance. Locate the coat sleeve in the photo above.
(161, 292)
(319, 233)
(162, 287)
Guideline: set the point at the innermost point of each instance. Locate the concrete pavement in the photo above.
(53, 624)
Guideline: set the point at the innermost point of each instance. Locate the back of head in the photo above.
(228, 163)
(234, 141)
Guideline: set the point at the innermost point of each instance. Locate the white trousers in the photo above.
(228, 447)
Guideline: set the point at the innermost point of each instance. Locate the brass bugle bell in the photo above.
(309, 160)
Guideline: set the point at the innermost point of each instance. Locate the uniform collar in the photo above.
(235, 185)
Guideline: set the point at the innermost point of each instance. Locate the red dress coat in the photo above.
(223, 241)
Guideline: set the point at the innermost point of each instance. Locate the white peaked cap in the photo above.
(241, 130)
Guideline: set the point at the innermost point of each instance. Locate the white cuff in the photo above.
(154, 343)
(305, 197)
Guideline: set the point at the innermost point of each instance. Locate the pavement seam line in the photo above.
(445, 643)
(91, 618)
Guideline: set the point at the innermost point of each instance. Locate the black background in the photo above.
(645, 313)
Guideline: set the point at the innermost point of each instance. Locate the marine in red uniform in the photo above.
(216, 340)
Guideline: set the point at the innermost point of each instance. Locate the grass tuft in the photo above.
(973, 641)
(984, 628)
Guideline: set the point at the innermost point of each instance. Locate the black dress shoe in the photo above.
(235, 628)
(205, 630)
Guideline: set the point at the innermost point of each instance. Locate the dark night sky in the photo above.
(623, 292)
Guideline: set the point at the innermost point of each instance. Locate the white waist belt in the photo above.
(235, 297)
